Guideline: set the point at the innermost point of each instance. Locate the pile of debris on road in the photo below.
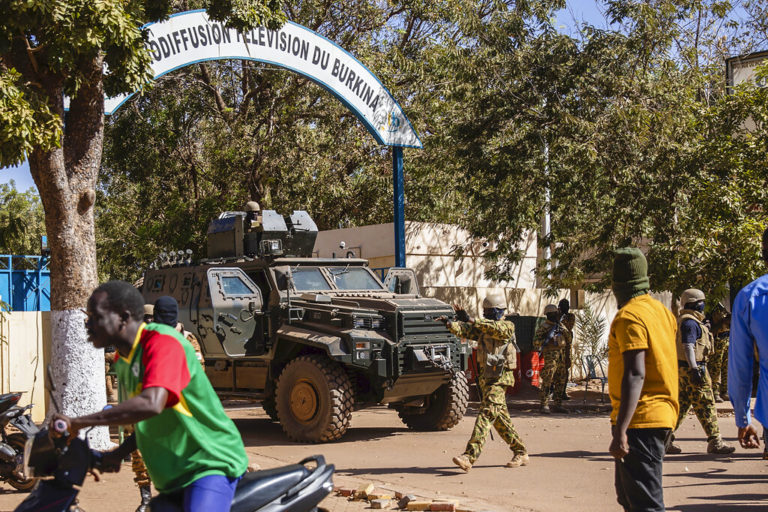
(388, 500)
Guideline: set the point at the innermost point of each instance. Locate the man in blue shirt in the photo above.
(749, 330)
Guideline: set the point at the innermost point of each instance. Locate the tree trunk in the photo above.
(66, 179)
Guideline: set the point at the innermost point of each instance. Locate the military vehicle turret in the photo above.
(312, 338)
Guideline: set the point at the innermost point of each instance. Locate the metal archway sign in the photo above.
(190, 37)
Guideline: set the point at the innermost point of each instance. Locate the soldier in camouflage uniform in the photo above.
(551, 342)
(694, 344)
(495, 352)
(718, 360)
(569, 321)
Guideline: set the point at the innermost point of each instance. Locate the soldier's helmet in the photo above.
(494, 300)
(691, 295)
(252, 206)
(550, 308)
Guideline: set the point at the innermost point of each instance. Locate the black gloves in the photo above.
(697, 375)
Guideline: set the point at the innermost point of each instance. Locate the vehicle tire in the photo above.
(17, 442)
(447, 406)
(270, 407)
(314, 399)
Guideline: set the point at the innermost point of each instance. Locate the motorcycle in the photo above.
(12, 445)
(62, 464)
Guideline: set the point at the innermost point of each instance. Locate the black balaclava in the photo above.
(166, 311)
(493, 313)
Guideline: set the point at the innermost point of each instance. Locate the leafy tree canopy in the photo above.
(45, 43)
(627, 136)
(22, 221)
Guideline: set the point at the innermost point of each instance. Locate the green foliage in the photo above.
(591, 329)
(631, 135)
(26, 122)
(210, 137)
(54, 47)
(22, 221)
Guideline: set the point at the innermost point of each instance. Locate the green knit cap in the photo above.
(630, 274)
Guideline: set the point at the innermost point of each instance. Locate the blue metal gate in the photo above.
(25, 282)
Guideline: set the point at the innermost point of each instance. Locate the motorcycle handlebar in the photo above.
(60, 427)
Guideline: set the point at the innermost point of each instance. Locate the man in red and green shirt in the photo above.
(193, 451)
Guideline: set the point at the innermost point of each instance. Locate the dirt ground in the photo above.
(570, 469)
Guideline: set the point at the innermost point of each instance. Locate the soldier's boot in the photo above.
(146, 495)
(463, 462)
(520, 459)
(672, 448)
(559, 409)
(718, 398)
(718, 447)
(565, 397)
(545, 409)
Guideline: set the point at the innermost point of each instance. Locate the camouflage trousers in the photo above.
(140, 475)
(718, 366)
(553, 376)
(700, 397)
(494, 413)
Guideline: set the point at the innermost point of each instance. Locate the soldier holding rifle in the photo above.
(551, 340)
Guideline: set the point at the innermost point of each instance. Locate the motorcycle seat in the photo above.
(258, 488)
(7, 400)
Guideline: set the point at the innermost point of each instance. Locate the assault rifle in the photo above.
(556, 330)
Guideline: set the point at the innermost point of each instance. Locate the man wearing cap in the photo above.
(492, 336)
(550, 340)
(694, 344)
(642, 383)
(749, 343)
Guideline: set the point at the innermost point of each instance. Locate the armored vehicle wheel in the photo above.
(314, 400)
(270, 407)
(445, 409)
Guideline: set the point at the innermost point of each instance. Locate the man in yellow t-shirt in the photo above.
(642, 382)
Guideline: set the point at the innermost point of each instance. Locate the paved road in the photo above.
(569, 470)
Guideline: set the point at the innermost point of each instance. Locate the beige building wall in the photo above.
(25, 340)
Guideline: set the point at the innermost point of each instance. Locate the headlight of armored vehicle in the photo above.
(378, 324)
(367, 322)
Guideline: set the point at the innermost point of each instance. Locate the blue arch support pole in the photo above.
(399, 203)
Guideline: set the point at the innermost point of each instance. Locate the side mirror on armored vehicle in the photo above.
(402, 281)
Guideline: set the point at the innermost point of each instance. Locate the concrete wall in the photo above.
(25, 341)
(430, 250)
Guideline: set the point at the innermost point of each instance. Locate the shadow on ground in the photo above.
(725, 503)
(264, 432)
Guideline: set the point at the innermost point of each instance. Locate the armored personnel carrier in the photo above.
(312, 338)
